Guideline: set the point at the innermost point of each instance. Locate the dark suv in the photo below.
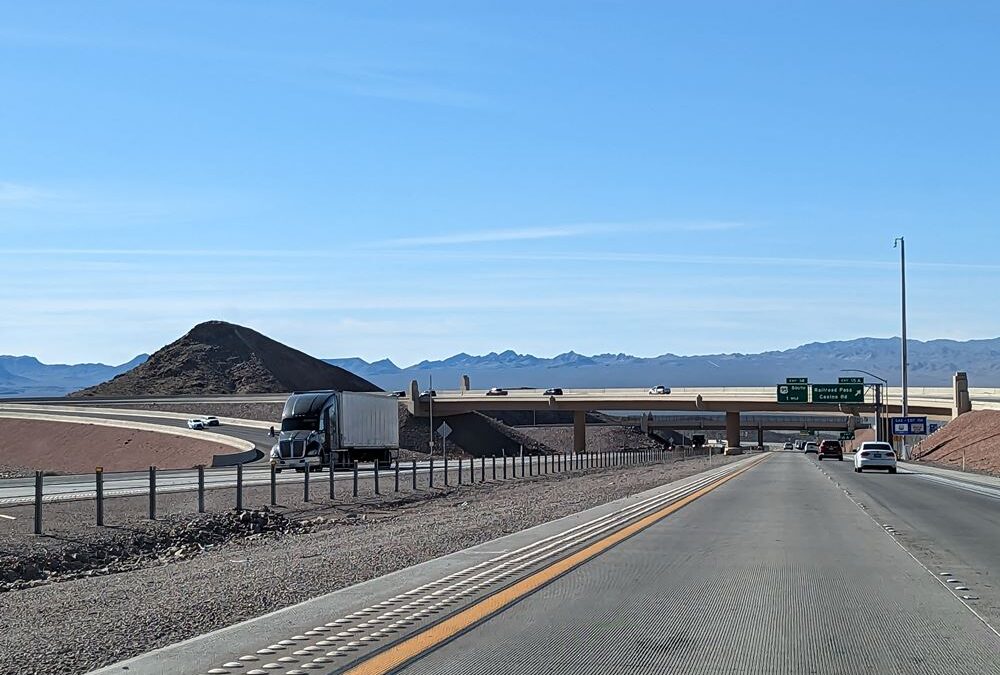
(831, 450)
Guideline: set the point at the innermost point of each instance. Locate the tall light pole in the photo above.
(900, 243)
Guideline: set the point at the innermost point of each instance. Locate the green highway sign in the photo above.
(807, 432)
(838, 393)
(851, 380)
(796, 380)
(793, 393)
(847, 435)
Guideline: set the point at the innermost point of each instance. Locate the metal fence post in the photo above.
(414, 467)
(274, 486)
(375, 474)
(201, 489)
(482, 468)
(472, 470)
(99, 487)
(152, 493)
(305, 484)
(38, 502)
(494, 459)
(355, 479)
(239, 487)
(396, 485)
(505, 465)
(446, 470)
(522, 465)
(459, 470)
(333, 478)
(430, 474)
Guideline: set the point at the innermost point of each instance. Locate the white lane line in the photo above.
(7, 517)
(961, 485)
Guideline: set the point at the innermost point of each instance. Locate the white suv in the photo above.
(875, 455)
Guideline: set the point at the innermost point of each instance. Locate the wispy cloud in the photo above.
(556, 232)
(19, 194)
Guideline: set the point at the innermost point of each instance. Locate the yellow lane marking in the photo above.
(414, 646)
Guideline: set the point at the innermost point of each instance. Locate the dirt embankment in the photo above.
(600, 437)
(972, 439)
(63, 447)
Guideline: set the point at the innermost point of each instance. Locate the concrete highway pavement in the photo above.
(764, 566)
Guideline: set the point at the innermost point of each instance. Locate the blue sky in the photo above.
(416, 179)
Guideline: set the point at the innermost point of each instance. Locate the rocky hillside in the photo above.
(216, 357)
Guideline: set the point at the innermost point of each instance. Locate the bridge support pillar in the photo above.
(962, 403)
(733, 433)
(579, 431)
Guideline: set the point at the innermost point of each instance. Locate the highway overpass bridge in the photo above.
(733, 402)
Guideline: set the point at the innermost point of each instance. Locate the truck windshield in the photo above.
(300, 424)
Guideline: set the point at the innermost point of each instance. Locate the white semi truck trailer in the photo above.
(336, 428)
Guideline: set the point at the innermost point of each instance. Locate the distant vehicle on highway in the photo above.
(875, 455)
(211, 421)
(830, 449)
(789, 446)
(800, 445)
(428, 393)
(398, 394)
(811, 447)
(659, 390)
(554, 391)
(496, 391)
(196, 424)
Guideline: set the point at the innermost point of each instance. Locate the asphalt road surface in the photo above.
(765, 566)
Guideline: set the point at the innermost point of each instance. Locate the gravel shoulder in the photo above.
(94, 621)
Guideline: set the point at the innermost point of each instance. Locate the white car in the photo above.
(211, 421)
(659, 390)
(811, 447)
(875, 455)
(196, 424)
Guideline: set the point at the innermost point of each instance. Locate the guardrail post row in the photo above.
(274, 486)
(472, 470)
(493, 458)
(430, 474)
(505, 466)
(355, 479)
(375, 476)
(305, 484)
(482, 468)
(38, 502)
(201, 489)
(459, 470)
(446, 470)
(522, 465)
(395, 487)
(152, 493)
(239, 487)
(99, 488)
(531, 465)
(413, 466)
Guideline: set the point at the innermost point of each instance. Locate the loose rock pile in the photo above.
(158, 545)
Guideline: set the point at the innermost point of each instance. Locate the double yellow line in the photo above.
(432, 637)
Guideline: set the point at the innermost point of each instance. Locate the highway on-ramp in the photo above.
(764, 566)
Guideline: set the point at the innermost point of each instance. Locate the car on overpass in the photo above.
(830, 449)
(553, 391)
(875, 455)
(496, 391)
(659, 390)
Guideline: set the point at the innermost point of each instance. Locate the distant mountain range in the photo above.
(932, 364)
(27, 376)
